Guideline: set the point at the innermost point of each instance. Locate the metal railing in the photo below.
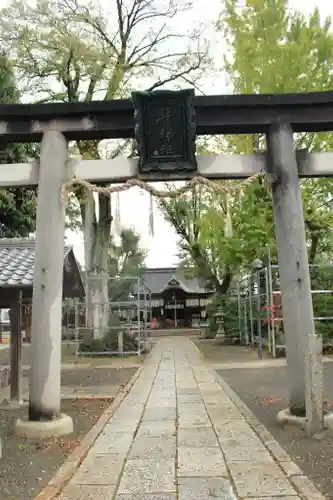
(126, 315)
(260, 314)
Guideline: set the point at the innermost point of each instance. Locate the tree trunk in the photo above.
(89, 235)
(96, 239)
(224, 286)
(96, 248)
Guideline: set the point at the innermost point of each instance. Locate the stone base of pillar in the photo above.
(59, 427)
(284, 417)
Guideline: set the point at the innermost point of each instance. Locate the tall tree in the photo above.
(274, 49)
(126, 260)
(221, 232)
(17, 205)
(77, 50)
(270, 49)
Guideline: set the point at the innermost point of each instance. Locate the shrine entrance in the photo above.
(174, 303)
(165, 125)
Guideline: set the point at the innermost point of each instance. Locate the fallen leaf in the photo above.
(269, 401)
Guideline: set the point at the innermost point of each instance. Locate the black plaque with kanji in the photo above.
(165, 133)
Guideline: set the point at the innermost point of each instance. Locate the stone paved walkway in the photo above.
(178, 436)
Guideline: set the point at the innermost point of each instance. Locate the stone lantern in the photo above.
(220, 335)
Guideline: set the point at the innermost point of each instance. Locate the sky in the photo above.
(134, 204)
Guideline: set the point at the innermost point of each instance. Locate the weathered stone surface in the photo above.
(211, 387)
(257, 479)
(240, 451)
(277, 451)
(220, 411)
(275, 498)
(190, 398)
(154, 402)
(144, 496)
(133, 398)
(199, 437)
(204, 462)
(306, 488)
(159, 414)
(148, 476)
(227, 429)
(153, 447)
(163, 429)
(199, 488)
(193, 415)
(290, 468)
(99, 470)
(215, 396)
(188, 390)
(160, 391)
(213, 439)
(121, 425)
(116, 443)
(76, 492)
(126, 409)
(264, 434)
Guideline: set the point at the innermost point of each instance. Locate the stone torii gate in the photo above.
(165, 124)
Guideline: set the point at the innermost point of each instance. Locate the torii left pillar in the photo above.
(45, 418)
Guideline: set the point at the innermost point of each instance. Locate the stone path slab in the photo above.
(179, 436)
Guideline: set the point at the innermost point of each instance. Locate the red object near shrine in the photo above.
(153, 324)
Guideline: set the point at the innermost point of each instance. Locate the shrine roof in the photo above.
(17, 261)
(157, 280)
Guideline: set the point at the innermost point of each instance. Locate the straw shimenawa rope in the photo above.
(216, 187)
(198, 180)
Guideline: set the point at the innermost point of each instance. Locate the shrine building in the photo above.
(176, 301)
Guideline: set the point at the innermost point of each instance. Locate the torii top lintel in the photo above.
(214, 114)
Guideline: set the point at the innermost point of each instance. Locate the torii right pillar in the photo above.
(295, 282)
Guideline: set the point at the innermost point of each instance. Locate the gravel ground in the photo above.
(69, 357)
(26, 467)
(266, 391)
(215, 353)
(5, 355)
(96, 377)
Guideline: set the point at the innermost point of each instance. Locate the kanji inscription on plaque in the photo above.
(165, 132)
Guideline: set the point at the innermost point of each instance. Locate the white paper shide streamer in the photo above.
(151, 228)
(228, 220)
(117, 216)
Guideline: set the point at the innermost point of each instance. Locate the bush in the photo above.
(91, 345)
(109, 342)
(227, 304)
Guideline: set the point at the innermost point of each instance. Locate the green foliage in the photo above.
(275, 49)
(79, 51)
(89, 344)
(322, 280)
(17, 205)
(109, 341)
(221, 234)
(227, 304)
(270, 49)
(94, 50)
(126, 259)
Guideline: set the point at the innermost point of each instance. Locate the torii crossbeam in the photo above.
(276, 116)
